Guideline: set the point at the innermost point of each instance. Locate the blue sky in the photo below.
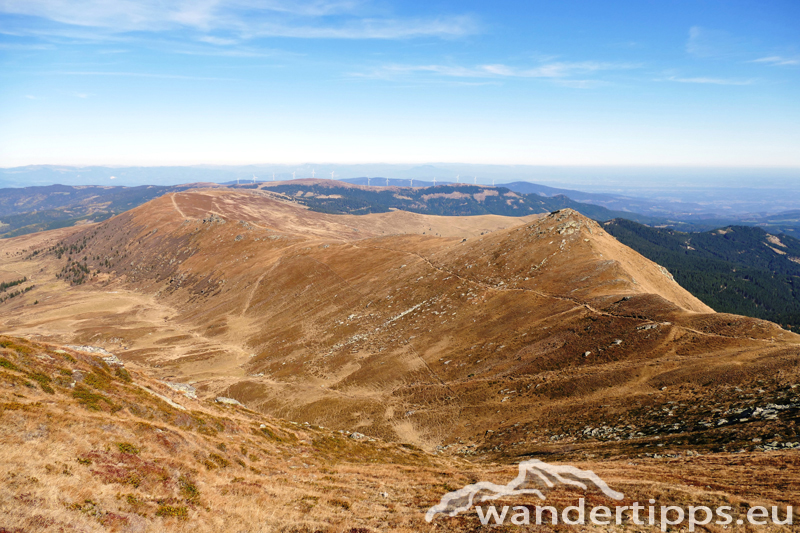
(146, 82)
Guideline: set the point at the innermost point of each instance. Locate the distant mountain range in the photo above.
(445, 200)
(27, 209)
(31, 209)
(614, 202)
(679, 195)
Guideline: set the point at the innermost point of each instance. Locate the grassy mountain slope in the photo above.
(738, 269)
(92, 445)
(490, 344)
(507, 338)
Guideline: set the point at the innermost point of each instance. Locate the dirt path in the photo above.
(178, 209)
(254, 289)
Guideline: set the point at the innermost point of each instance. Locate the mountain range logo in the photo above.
(534, 477)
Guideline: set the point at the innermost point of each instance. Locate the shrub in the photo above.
(43, 381)
(97, 380)
(179, 512)
(91, 400)
(19, 348)
(123, 374)
(5, 363)
(219, 460)
(340, 503)
(188, 489)
(127, 447)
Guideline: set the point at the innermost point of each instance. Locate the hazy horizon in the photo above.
(718, 189)
(588, 175)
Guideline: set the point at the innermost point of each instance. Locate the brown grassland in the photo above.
(379, 361)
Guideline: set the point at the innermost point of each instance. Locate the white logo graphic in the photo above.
(532, 474)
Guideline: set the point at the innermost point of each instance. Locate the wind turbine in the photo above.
(457, 180)
(237, 181)
(434, 181)
(492, 182)
(313, 173)
(292, 174)
(273, 176)
(332, 174)
(387, 182)
(412, 183)
(367, 181)
(474, 180)
(254, 178)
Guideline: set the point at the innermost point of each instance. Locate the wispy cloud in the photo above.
(30, 97)
(371, 28)
(778, 61)
(715, 44)
(561, 71)
(221, 41)
(698, 42)
(232, 51)
(580, 84)
(224, 22)
(138, 75)
(24, 47)
(710, 81)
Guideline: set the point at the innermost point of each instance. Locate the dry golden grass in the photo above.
(404, 336)
(143, 465)
(366, 324)
(140, 464)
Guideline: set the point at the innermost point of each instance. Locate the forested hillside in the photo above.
(737, 269)
(444, 200)
(31, 209)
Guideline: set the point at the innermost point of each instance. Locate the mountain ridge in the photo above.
(368, 323)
